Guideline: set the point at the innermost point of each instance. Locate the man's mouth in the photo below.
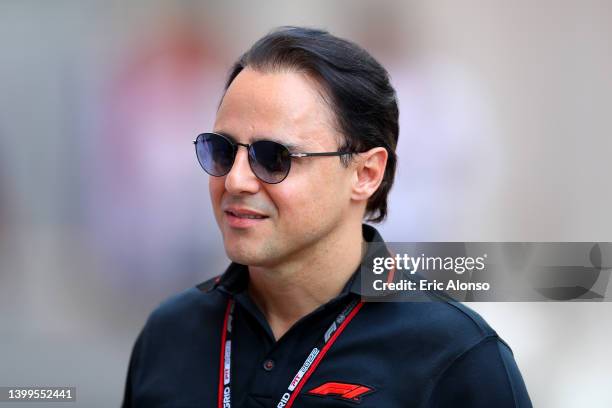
(246, 215)
(249, 216)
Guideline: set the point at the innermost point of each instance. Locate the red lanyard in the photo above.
(302, 375)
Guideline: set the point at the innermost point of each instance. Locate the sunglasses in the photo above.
(270, 161)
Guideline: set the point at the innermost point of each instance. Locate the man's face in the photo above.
(311, 203)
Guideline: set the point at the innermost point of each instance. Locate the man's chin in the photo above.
(246, 256)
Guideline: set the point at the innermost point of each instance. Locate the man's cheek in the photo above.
(215, 189)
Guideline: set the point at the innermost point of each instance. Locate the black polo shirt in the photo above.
(391, 354)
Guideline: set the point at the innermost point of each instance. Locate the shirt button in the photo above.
(268, 365)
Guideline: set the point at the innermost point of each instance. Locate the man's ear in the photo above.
(369, 172)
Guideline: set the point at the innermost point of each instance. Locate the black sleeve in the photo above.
(484, 376)
(128, 392)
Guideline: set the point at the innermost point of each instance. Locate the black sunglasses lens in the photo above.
(270, 161)
(215, 154)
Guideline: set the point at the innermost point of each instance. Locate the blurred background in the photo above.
(104, 211)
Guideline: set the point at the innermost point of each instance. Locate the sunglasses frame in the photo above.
(235, 145)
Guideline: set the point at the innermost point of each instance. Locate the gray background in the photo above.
(104, 212)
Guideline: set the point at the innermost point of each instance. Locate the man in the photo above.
(301, 152)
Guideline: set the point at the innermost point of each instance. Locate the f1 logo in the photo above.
(344, 391)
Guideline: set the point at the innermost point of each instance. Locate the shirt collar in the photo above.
(235, 279)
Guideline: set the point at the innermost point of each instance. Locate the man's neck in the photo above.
(292, 290)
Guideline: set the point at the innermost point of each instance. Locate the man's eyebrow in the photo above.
(292, 146)
(226, 134)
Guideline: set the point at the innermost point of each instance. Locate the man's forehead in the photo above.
(284, 106)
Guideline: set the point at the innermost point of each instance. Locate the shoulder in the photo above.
(430, 334)
(185, 321)
(442, 345)
(478, 366)
(179, 334)
(441, 321)
(193, 309)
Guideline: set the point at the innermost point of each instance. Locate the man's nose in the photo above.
(241, 179)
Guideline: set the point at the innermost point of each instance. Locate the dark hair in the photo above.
(361, 96)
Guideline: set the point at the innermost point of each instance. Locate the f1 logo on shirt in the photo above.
(343, 391)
